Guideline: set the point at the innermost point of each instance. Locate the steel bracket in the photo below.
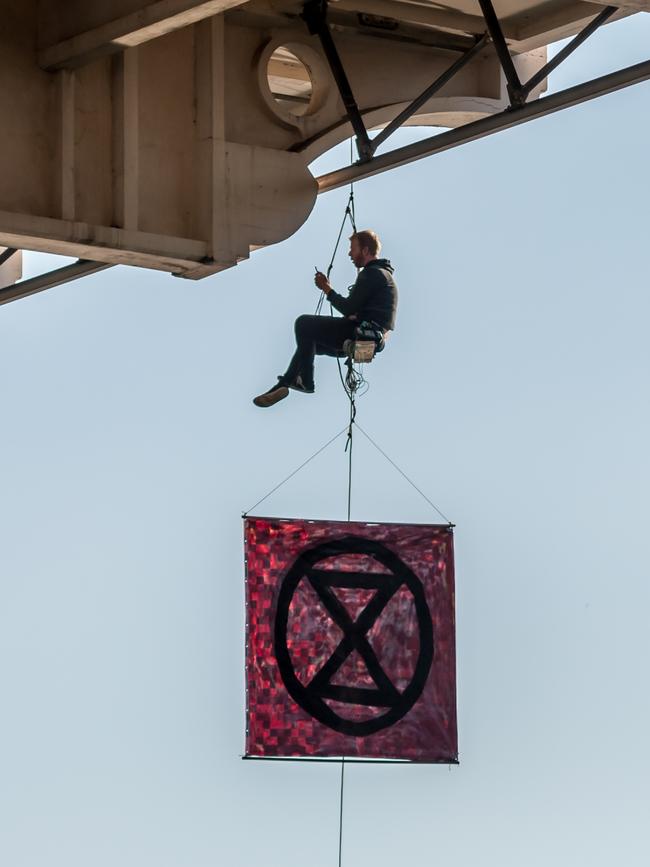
(315, 16)
(518, 91)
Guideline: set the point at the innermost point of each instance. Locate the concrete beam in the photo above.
(184, 256)
(175, 153)
(213, 209)
(114, 34)
(632, 5)
(67, 143)
(523, 31)
(532, 31)
(126, 144)
(431, 16)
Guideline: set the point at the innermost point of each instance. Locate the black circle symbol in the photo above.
(311, 697)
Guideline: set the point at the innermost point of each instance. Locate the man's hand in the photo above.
(322, 282)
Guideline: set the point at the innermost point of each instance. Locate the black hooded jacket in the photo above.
(373, 297)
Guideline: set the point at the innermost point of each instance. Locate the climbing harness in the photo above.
(368, 340)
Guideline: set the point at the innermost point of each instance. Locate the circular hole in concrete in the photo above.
(290, 82)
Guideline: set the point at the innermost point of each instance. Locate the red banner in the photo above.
(350, 640)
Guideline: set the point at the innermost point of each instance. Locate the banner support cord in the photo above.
(348, 447)
(341, 809)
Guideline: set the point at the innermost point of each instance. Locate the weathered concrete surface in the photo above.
(177, 134)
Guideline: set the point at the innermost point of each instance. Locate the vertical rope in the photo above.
(341, 810)
(349, 212)
(353, 217)
(348, 215)
(348, 447)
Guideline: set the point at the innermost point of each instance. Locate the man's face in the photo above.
(358, 255)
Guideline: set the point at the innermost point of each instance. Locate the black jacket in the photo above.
(373, 297)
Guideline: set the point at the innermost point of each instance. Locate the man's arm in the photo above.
(355, 301)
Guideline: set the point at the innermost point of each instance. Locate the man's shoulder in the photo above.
(378, 271)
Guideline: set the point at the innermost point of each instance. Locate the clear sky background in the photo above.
(514, 392)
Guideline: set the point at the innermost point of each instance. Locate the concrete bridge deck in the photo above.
(177, 134)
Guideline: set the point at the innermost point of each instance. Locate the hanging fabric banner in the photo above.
(350, 640)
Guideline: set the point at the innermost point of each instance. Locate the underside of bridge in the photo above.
(177, 134)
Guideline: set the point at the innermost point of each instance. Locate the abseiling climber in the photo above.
(370, 308)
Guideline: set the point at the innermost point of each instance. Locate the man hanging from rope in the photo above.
(371, 305)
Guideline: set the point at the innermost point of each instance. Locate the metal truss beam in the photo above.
(519, 92)
(507, 119)
(426, 95)
(315, 16)
(568, 49)
(515, 91)
(80, 268)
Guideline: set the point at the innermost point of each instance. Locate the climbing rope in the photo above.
(348, 449)
(348, 215)
(341, 810)
(351, 385)
(353, 382)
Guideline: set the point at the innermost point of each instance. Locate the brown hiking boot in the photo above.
(277, 392)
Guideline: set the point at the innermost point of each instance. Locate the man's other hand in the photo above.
(322, 282)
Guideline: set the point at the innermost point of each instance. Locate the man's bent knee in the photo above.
(304, 324)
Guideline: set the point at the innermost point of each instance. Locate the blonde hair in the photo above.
(368, 239)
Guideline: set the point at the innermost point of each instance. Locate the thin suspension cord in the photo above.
(341, 810)
(403, 474)
(348, 448)
(353, 380)
(350, 385)
(353, 412)
(348, 215)
(291, 475)
(351, 200)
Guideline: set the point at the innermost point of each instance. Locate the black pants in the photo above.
(317, 335)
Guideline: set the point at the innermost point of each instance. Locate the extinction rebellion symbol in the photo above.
(312, 696)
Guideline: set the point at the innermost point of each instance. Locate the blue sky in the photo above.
(514, 392)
